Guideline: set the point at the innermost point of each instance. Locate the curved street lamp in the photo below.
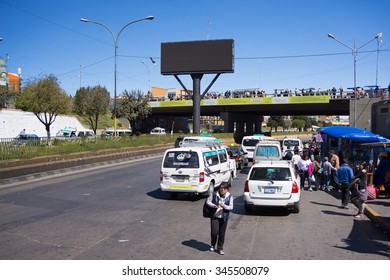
(354, 54)
(115, 38)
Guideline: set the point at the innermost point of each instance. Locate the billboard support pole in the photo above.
(196, 78)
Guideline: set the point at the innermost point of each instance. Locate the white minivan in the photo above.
(290, 143)
(194, 169)
(267, 150)
(248, 143)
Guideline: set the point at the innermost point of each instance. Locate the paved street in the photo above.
(119, 212)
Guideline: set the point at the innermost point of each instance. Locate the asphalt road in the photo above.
(119, 213)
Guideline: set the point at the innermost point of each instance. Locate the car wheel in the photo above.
(296, 207)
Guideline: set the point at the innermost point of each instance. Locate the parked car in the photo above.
(26, 139)
(158, 131)
(272, 184)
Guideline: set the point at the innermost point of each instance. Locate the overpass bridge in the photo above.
(246, 114)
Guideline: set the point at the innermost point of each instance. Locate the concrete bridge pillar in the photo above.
(244, 124)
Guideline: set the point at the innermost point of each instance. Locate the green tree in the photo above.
(298, 124)
(275, 121)
(90, 103)
(45, 99)
(133, 106)
(3, 96)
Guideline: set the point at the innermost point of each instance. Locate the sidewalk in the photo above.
(378, 211)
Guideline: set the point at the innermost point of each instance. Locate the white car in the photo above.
(158, 131)
(272, 183)
(197, 168)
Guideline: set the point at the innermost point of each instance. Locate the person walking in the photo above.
(316, 172)
(360, 188)
(296, 158)
(335, 162)
(345, 174)
(326, 174)
(221, 203)
(303, 166)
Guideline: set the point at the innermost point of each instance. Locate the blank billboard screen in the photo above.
(212, 56)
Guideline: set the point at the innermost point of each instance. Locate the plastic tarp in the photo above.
(353, 133)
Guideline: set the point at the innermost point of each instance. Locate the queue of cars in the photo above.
(201, 164)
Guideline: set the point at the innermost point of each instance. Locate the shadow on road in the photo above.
(200, 246)
(159, 194)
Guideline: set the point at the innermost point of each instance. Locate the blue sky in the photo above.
(278, 44)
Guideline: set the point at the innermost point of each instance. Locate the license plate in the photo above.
(270, 190)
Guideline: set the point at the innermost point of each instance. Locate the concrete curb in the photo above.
(377, 219)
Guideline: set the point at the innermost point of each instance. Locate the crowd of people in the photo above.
(333, 93)
(333, 172)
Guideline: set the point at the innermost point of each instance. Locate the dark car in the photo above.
(235, 151)
(26, 139)
(179, 141)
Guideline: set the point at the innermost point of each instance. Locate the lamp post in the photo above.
(115, 38)
(148, 74)
(354, 54)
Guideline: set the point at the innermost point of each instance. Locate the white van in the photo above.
(196, 169)
(267, 150)
(109, 132)
(248, 143)
(158, 131)
(289, 143)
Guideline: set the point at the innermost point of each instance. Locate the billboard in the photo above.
(197, 57)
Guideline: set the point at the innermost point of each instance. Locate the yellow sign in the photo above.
(244, 101)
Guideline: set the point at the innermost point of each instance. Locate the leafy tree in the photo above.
(90, 103)
(45, 99)
(3, 96)
(133, 106)
(275, 121)
(298, 124)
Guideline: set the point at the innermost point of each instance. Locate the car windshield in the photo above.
(270, 173)
(181, 159)
(235, 150)
(250, 142)
(291, 143)
(267, 151)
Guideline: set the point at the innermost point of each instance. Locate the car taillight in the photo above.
(295, 188)
(201, 177)
(246, 186)
(161, 176)
(237, 158)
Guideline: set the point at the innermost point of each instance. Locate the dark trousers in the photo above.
(345, 194)
(305, 176)
(218, 229)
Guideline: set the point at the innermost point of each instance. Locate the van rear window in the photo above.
(266, 173)
(291, 143)
(181, 159)
(267, 151)
(250, 142)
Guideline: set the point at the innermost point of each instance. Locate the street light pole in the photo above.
(150, 91)
(354, 54)
(115, 38)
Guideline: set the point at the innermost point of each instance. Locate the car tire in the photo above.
(297, 207)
